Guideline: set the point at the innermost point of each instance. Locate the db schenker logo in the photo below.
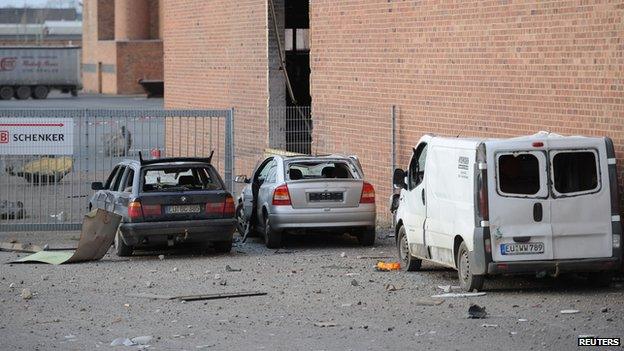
(4, 137)
(7, 63)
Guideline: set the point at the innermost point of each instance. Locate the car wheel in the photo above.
(22, 92)
(367, 236)
(241, 223)
(223, 246)
(408, 262)
(467, 280)
(272, 238)
(121, 249)
(6, 93)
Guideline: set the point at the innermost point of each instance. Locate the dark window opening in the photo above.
(519, 174)
(320, 170)
(111, 177)
(417, 167)
(575, 172)
(179, 179)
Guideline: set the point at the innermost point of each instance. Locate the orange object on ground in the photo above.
(388, 266)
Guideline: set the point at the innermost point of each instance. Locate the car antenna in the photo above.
(140, 157)
(461, 131)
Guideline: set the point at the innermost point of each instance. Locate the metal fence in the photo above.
(48, 158)
(290, 129)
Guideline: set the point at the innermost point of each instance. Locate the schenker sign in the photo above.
(36, 136)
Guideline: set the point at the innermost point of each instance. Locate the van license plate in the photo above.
(522, 248)
(182, 209)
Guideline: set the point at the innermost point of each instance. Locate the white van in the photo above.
(539, 204)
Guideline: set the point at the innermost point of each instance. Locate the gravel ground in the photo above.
(311, 281)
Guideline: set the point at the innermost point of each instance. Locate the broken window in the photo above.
(179, 179)
(575, 172)
(518, 174)
(320, 170)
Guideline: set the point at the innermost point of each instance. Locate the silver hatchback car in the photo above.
(306, 193)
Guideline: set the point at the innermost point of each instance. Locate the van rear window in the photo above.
(575, 172)
(518, 174)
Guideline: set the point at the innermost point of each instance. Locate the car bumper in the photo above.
(319, 219)
(181, 231)
(555, 266)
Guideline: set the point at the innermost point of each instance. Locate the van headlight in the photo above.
(616, 241)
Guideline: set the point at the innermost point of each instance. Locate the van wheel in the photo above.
(6, 93)
(22, 92)
(366, 236)
(272, 238)
(223, 246)
(121, 249)
(408, 262)
(600, 279)
(467, 280)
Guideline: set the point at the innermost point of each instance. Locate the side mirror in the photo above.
(241, 179)
(394, 202)
(399, 178)
(97, 186)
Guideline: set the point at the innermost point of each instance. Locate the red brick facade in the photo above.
(486, 68)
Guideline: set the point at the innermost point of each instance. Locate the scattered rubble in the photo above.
(451, 295)
(26, 294)
(476, 312)
(569, 311)
(325, 324)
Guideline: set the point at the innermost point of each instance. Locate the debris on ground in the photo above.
(199, 296)
(476, 312)
(489, 325)
(343, 254)
(449, 288)
(26, 294)
(18, 247)
(426, 302)
(230, 269)
(569, 311)
(522, 320)
(388, 266)
(325, 324)
(142, 340)
(11, 210)
(122, 342)
(391, 287)
(354, 282)
(372, 257)
(451, 295)
(161, 257)
(96, 237)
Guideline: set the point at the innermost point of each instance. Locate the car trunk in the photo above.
(325, 193)
(163, 206)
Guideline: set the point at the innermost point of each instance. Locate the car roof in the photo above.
(165, 162)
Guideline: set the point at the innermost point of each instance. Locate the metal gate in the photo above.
(48, 158)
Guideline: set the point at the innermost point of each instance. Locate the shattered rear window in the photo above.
(519, 174)
(179, 179)
(575, 172)
(320, 170)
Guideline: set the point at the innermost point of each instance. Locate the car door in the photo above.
(519, 203)
(114, 193)
(100, 197)
(266, 177)
(125, 191)
(413, 198)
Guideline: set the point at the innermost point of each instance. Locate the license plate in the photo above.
(326, 196)
(522, 249)
(175, 209)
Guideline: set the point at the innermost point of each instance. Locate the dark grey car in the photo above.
(167, 201)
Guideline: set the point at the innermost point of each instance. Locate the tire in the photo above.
(241, 223)
(272, 238)
(467, 280)
(600, 279)
(367, 236)
(40, 92)
(223, 246)
(409, 263)
(22, 92)
(6, 93)
(121, 249)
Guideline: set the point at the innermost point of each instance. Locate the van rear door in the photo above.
(519, 204)
(580, 205)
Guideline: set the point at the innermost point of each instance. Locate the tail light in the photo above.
(151, 210)
(281, 197)
(228, 206)
(484, 210)
(134, 210)
(214, 208)
(368, 194)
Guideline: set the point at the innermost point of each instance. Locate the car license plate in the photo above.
(522, 248)
(326, 196)
(176, 209)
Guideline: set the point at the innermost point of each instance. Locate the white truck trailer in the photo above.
(29, 71)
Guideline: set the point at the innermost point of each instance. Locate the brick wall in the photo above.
(138, 60)
(484, 68)
(216, 58)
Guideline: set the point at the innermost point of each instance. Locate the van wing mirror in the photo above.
(97, 186)
(398, 178)
(241, 179)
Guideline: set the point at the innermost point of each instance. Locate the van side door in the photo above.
(413, 198)
(519, 203)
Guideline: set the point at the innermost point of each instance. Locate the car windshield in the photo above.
(179, 179)
(320, 170)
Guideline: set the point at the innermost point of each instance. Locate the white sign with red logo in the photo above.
(36, 136)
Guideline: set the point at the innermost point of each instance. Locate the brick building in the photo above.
(485, 68)
(122, 43)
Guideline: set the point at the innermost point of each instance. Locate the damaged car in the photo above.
(306, 193)
(167, 201)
